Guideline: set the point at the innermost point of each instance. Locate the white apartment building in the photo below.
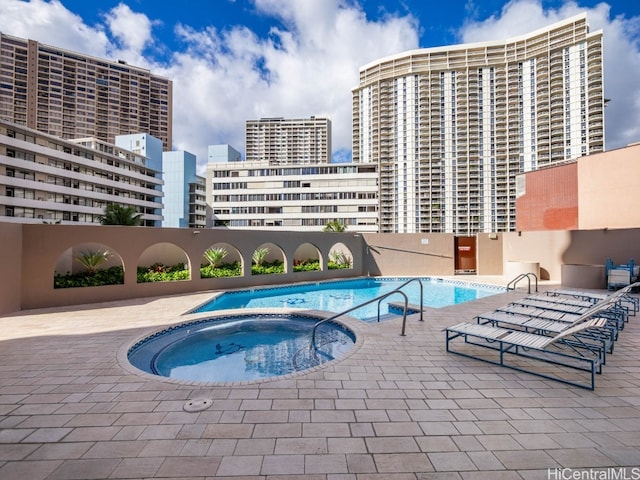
(449, 128)
(47, 179)
(264, 195)
(284, 141)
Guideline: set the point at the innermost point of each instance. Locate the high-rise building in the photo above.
(282, 141)
(449, 128)
(184, 191)
(44, 178)
(72, 95)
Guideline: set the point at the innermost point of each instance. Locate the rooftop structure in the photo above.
(449, 128)
(71, 95)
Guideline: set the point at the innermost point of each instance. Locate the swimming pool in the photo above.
(240, 348)
(338, 296)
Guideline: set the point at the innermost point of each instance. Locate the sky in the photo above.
(238, 60)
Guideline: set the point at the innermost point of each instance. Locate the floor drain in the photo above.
(197, 405)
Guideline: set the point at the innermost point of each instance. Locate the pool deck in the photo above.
(395, 408)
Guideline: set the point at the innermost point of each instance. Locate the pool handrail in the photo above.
(512, 284)
(356, 307)
(378, 299)
(421, 294)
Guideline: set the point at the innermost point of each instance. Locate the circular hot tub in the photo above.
(240, 348)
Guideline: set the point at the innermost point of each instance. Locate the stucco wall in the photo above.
(608, 189)
(30, 255)
(576, 247)
(42, 246)
(11, 271)
(409, 254)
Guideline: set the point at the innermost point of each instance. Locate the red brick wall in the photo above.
(550, 201)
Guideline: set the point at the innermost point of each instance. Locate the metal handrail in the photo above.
(421, 293)
(376, 299)
(520, 277)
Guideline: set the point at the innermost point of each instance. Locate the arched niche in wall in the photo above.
(267, 259)
(307, 258)
(221, 260)
(88, 265)
(163, 262)
(340, 256)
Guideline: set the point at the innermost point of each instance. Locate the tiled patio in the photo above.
(397, 408)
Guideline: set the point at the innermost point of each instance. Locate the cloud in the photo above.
(621, 54)
(306, 66)
(307, 63)
(51, 23)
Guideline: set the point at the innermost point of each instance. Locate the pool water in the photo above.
(240, 348)
(341, 295)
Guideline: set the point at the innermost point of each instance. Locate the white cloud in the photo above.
(305, 66)
(51, 23)
(621, 55)
(308, 67)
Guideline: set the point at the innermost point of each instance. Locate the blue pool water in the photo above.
(341, 295)
(240, 348)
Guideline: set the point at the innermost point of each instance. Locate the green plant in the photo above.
(339, 259)
(259, 255)
(159, 272)
(274, 267)
(223, 270)
(215, 255)
(92, 259)
(306, 265)
(334, 226)
(117, 214)
(107, 276)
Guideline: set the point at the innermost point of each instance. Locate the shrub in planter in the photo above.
(223, 270)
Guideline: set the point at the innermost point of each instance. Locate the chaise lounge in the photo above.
(552, 357)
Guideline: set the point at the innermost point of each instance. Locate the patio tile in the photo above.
(28, 470)
(282, 465)
(402, 462)
(451, 461)
(85, 469)
(189, 466)
(240, 465)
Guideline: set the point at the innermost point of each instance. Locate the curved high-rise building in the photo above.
(450, 127)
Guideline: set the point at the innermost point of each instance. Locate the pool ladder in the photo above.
(512, 284)
(378, 299)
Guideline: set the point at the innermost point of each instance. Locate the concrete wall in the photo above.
(11, 270)
(489, 253)
(608, 189)
(409, 254)
(43, 245)
(572, 247)
(30, 255)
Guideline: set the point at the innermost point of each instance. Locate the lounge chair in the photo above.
(622, 296)
(551, 357)
(542, 326)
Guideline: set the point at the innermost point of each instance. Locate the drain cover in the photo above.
(197, 405)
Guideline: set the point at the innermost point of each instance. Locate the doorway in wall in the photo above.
(465, 255)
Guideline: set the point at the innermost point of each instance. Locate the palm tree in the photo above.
(117, 214)
(334, 226)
